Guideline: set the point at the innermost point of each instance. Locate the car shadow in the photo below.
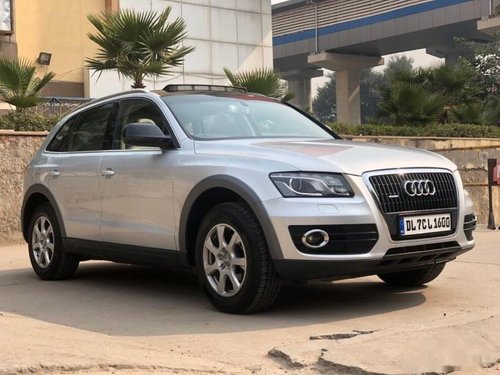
(125, 300)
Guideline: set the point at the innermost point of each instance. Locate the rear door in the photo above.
(71, 170)
(136, 184)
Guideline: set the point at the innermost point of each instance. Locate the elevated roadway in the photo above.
(350, 35)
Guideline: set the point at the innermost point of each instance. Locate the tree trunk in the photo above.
(138, 85)
(138, 82)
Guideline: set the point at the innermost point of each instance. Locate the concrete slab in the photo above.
(126, 320)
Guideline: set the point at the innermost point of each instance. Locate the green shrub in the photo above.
(434, 130)
(26, 121)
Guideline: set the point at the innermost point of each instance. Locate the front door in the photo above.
(136, 185)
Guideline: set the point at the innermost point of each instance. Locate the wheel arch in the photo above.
(35, 196)
(215, 190)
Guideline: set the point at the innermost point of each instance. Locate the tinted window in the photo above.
(240, 116)
(87, 131)
(137, 111)
(61, 141)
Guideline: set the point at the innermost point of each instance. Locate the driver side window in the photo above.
(137, 111)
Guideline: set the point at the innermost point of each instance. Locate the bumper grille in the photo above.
(393, 199)
(344, 239)
(469, 226)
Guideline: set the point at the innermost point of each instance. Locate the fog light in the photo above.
(315, 238)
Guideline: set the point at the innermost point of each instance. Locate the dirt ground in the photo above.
(120, 319)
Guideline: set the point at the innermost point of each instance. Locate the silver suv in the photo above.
(248, 190)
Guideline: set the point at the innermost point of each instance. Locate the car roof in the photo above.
(204, 89)
(190, 88)
(183, 89)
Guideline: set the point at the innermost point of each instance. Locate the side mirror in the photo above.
(145, 135)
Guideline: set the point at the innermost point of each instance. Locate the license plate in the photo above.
(424, 224)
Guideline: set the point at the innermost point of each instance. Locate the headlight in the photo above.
(300, 184)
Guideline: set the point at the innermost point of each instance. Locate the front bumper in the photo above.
(414, 257)
(385, 253)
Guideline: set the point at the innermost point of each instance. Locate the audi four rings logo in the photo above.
(419, 188)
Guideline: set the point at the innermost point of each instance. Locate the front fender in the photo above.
(246, 193)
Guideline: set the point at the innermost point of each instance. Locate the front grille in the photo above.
(392, 198)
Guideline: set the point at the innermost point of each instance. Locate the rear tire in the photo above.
(233, 262)
(46, 252)
(413, 277)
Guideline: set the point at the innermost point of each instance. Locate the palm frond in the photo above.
(469, 113)
(408, 102)
(19, 85)
(263, 81)
(137, 44)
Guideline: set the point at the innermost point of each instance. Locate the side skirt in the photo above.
(125, 253)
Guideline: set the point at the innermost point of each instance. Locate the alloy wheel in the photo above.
(43, 242)
(224, 260)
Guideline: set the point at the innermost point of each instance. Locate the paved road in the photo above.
(122, 319)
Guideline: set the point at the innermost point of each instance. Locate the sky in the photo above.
(420, 57)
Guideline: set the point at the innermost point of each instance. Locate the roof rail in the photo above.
(196, 87)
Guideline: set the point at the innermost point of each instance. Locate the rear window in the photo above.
(87, 131)
(207, 117)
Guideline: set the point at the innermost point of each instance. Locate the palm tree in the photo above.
(262, 81)
(449, 86)
(137, 44)
(410, 103)
(454, 82)
(19, 85)
(491, 110)
(485, 112)
(468, 113)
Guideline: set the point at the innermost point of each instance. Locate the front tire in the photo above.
(413, 278)
(46, 252)
(233, 262)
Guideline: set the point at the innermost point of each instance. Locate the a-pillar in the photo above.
(347, 72)
(299, 83)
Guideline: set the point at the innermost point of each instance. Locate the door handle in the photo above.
(108, 172)
(54, 173)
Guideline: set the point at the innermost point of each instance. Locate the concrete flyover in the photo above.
(350, 35)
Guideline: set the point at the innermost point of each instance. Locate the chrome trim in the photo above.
(419, 188)
(325, 235)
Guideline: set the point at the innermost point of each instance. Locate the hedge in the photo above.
(435, 130)
(27, 121)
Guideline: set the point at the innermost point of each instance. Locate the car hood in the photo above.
(326, 155)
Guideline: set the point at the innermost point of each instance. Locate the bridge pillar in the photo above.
(348, 98)
(299, 83)
(347, 71)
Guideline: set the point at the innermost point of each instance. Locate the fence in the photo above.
(58, 105)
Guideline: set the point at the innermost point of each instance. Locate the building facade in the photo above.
(225, 33)
(8, 45)
(57, 28)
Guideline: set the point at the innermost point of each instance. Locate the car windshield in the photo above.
(204, 116)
